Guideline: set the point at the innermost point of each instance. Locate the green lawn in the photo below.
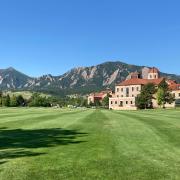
(55, 144)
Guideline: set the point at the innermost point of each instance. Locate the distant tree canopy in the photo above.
(37, 100)
(13, 101)
(5, 101)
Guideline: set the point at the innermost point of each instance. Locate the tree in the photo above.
(141, 102)
(6, 101)
(21, 101)
(39, 101)
(1, 95)
(164, 95)
(144, 99)
(159, 96)
(97, 103)
(105, 101)
(13, 101)
(91, 104)
(164, 85)
(84, 103)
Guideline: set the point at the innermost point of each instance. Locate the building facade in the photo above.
(126, 92)
(93, 97)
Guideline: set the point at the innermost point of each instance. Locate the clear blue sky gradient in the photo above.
(51, 36)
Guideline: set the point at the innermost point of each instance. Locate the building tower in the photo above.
(153, 73)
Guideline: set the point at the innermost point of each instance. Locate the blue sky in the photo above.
(51, 36)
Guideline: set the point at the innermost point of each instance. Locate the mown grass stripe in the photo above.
(26, 120)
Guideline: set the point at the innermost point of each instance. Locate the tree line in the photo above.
(36, 100)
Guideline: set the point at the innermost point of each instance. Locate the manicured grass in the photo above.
(50, 144)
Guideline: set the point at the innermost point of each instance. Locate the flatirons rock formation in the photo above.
(78, 80)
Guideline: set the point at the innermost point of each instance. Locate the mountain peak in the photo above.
(80, 80)
(11, 69)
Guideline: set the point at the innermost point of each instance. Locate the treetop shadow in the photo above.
(37, 138)
(16, 153)
(16, 143)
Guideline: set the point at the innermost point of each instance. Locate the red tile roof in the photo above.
(171, 82)
(140, 82)
(175, 87)
(101, 94)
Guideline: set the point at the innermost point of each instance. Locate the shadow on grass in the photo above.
(16, 143)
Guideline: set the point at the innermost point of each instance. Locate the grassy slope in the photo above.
(25, 94)
(93, 144)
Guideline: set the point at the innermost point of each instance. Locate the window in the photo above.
(115, 102)
(111, 102)
(132, 95)
(127, 92)
(117, 89)
(132, 88)
(131, 102)
(121, 89)
(137, 88)
(117, 95)
(121, 103)
(150, 76)
(155, 76)
(126, 102)
(121, 95)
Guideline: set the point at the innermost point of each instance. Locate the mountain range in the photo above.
(78, 80)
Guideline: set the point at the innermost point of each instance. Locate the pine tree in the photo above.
(144, 99)
(164, 95)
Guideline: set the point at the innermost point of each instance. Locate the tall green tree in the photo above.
(105, 101)
(144, 99)
(164, 94)
(159, 96)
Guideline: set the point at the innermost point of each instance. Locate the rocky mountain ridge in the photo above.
(77, 80)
